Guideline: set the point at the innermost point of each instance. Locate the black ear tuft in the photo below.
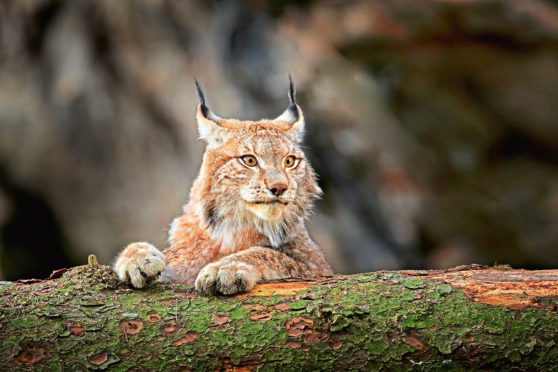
(204, 108)
(292, 91)
(292, 98)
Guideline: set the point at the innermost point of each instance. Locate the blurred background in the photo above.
(433, 124)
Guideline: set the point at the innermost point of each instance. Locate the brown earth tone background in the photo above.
(433, 124)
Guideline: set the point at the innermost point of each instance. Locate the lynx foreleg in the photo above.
(240, 272)
(139, 264)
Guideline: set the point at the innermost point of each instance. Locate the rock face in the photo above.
(433, 125)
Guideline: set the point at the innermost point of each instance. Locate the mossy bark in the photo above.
(427, 320)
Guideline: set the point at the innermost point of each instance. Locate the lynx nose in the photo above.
(278, 188)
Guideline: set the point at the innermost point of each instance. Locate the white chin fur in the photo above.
(268, 219)
(266, 211)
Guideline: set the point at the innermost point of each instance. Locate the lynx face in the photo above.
(255, 175)
(263, 173)
(272, 176)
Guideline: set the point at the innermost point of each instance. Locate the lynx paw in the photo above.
(139, 264)
(226, 278)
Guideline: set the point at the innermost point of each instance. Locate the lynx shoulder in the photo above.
(245, 221)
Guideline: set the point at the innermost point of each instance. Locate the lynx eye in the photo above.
(249, 160)
(290, 161)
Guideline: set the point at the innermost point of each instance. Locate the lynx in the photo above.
(245, 219)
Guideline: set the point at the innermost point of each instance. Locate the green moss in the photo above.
(414, 284)
(239, 312)
(365, 277)
(444, 288)
(25, 322)
(5, 287)
(376, 347)
(298, 305)
(397, 351)
(274, 300)
(413, 323)
(368, 323)
(339, 322)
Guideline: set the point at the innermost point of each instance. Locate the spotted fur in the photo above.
(237, 230)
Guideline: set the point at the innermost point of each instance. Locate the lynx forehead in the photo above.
(245, 219)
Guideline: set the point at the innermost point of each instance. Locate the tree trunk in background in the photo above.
(460, 319)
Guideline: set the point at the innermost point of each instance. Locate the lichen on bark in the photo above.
(417, 320)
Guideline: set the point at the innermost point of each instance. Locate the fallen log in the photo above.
(465, 318)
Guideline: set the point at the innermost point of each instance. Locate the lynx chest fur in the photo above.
(245, 221)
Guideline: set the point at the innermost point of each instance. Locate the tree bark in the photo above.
(458, 319)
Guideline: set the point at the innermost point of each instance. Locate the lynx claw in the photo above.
(205, 282)
(226, 278)
(139, 264)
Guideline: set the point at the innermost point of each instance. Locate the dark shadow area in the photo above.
(32, 242)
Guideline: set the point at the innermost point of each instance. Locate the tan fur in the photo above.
(234, 231)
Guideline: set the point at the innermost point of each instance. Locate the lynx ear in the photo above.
(208, 127)
(293, 115)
